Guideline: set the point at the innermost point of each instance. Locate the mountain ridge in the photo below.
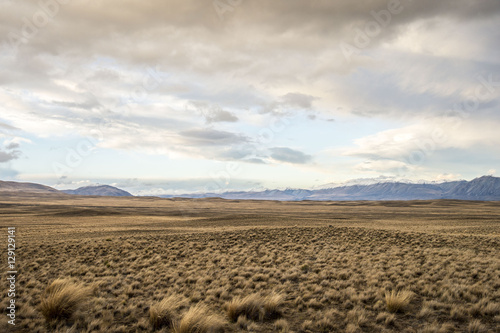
(485, 188)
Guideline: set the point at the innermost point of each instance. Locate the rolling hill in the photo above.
(16, 187)
(99, 190)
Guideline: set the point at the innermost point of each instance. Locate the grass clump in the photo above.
(62, 298)
(164, 313)
(198, 319)
(398, 301)
(255, 307)
(250, 306)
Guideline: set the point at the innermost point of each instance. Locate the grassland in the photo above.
(89, 264)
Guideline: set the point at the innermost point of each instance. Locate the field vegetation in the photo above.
(210, 265)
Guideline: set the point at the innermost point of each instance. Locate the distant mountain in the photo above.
(15, 187)
(486, 188)
(100, 190)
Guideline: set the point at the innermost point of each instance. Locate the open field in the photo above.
(237, 266)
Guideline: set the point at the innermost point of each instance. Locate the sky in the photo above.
(182, 96)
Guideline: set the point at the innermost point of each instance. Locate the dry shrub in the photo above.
(164, 313)
(398, 301)
(255, 307)
(198, 319)
(62, 298)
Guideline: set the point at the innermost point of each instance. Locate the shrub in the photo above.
(62, 298)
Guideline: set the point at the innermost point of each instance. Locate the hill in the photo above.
(16, 187)
(99, 190)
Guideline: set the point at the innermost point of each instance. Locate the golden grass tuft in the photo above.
(255, 307)
(398, 301)
(62, 298)
(281, 325)
(164, 313)
(272, 305)
(199, 319)
(250, 306)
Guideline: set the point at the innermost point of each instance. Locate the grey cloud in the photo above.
(87, 105)
(213, 113)
(7, 127)
(9, 156)
(289, 155)
(298, 100)
(12, 145)
(210, 137)
(221, 116)
(289, 101)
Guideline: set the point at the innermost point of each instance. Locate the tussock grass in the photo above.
(272, 305)
(164, 313)
(62, 298)
(281, 325)
(398, 301)
(199, 319)
(250, 306)
(476, 326)
(255, 307)
(334, 277)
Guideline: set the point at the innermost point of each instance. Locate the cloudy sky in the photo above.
(175, 96)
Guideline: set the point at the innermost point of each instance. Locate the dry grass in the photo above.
(255, 307)
(164, 313)
(251, 307)
(62, 298)
(398, 301)
(319, 267)
(281, 325)
(199, 319)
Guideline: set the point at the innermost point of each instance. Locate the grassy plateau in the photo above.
(103, 264)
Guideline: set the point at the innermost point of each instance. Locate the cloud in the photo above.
(210, 137)
(213, 113)
(289, 155)
(426, 138)
(8, 156)
(446, 177)
(382, 166)
(298, 100)
(7, 127)
(12, 145)
(129, 75)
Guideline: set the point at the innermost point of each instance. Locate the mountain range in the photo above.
(486, 188)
